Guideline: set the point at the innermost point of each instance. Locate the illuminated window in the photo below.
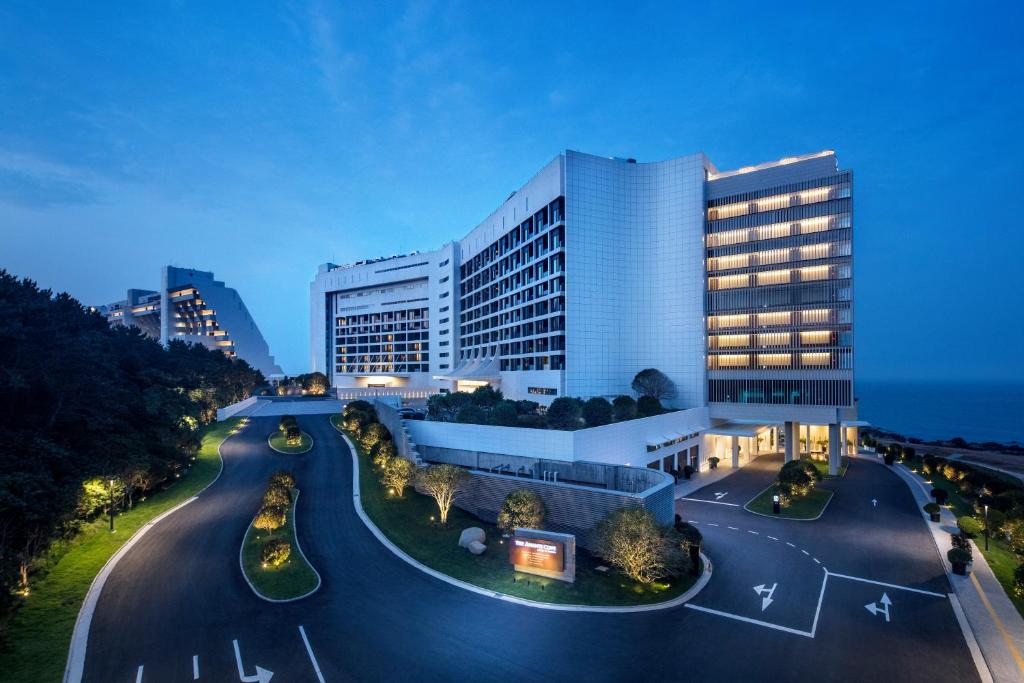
(774, 360)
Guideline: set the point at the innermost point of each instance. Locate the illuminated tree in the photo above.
(269, 518)
(523, 509)
(396, 474)
(632, 541)
(277, 497)
(275, 552)
(373, 434)
(282, 478)
(382, 453)
(444, 483)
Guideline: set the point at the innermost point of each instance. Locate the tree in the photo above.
(1013, 530)
(372, 434)
(443, 483)
(269, 518)
(314, 383)
(293, 435)
(282, 478)
(275, 552)
(692, 542)
(630, 540)
(382, 453)
(277, 497)
(287, 421)
(396, 474)
(563, 413)
(623, 408)
(505, 414)
(486, 396)
(1018, 580)
(437, 406)
(471, 414)
(795, 482)
(522, 509)
(357, 405)
(653, 382)
(597, 411)
(648, 406)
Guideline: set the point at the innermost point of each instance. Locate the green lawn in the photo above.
(38, 635)
(407, 522)
(807, 507)
(294, 578)
(822, 467)
(278, 442)
(1000, 558)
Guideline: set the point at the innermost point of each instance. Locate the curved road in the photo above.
(177, 604)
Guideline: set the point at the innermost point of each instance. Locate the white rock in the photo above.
(473, 533)
(477, 548)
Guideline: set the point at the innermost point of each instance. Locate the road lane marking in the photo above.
(748, 620)
(773, 538)
(790, 544)
(312, 658)
(712, 502)
(712, 524)
(816, 560)
(972, 642)
(195, 667)
(999, 624)
(734, 528)
(692, 521)
(753, 532)
(805, 552)
(261, 676)
(817, 611)
(138, 675)
(888, 585)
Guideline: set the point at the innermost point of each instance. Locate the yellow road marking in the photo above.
(1002, 629)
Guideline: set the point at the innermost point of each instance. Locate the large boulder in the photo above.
(473, 533)
(477, 548)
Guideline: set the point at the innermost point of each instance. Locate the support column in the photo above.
(735, 452)
(852, 435)
(792, 433)
(835, 449)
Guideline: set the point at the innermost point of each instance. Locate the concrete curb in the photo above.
(278, 450)
(298, 545)
(675, 602)
(75, 667)
(788, 519)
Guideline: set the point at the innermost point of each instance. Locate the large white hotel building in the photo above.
(737, 285)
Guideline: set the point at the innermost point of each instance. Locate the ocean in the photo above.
(932, 410)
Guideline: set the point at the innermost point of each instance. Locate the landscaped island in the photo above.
(271, 557)
(289, 439)
(796, 491)
(413, 522)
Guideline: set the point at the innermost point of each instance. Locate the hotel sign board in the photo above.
(544, 553)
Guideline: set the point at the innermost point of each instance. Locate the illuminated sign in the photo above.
(529, 552)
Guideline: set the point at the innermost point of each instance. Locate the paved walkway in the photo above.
(997, 626)
(701, 479)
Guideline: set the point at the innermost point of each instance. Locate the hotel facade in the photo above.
(737, 285)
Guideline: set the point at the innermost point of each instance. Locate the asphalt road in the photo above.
(178, 600)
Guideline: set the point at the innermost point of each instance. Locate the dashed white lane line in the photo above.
(753, 532)
(195, 667)
(138, 675)
(712, 524)
(816, 560)
(692, 521)
(790, 544)
(805, 552)
(312, 657)
(773, 538)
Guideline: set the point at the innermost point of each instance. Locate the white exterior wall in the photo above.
(529, 443)
(634, 274)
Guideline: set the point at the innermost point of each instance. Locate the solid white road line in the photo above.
(312, 658)
(888, 585)
(817, 611)
(138, 675)
(756, 622)
(713, 502)
(972, 643)
(195, 667)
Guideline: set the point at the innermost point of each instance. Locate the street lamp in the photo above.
(111, 508)
(775, 504)
(986, 527)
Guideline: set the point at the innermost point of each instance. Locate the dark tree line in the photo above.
(82, 402)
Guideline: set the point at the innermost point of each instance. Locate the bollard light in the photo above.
(775, 504)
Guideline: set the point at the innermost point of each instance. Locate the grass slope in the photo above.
(807, 507)
(295, 578)
(39, 634)
(279, 442)
(407, 522)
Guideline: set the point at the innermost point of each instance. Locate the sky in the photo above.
(262, 139)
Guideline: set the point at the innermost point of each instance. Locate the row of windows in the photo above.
(775, 231)
(549, 215)
(806, 316)
(781, 276)
(351, 338)
(768, 257)
(518, 306)
(383, 368)
(411, 314)
(815, 360)
(535, 272)
(785, 296)
(348, 347)
(533, 363)
(834, 337)
(778, 201)
(781, 391)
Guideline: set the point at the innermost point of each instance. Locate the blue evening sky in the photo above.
(261, 140)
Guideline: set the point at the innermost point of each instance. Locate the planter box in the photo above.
(935, 517)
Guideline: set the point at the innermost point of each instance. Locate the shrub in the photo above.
(795, 482)
(631, 541)
(597, 411)
(443, 483)
(373, 434)
(932, 508)
(623, 408)
(505, 414)
(293, 436)
(890, 455)
(286, 422)
(805, 465)
(691, 541)
(471, 414)
(269, 518)
(653, 382)
(969, 526)
(382, 453)
(396, 474)
(527, 407)
(486, 396)
(277, 497)
(648, 406)
(908, 453)
(688, 471)
(996, 520)
(358, 405)
(275, 552)
(282, 478)
(1013, 532)
(1018, 581)
(522, 508)
(958, 556)
(358, 420)
(940, 496)
(563, 413)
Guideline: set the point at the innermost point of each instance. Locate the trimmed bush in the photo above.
(374, 434)
(623, 408)
(795, 482)
(275, 553)
(293, 435)
(396, 474)
(471, 414)
(282, 478)
(563, 413)
(647, 406)
(358, 405)
(270, 518)
(486, 396)
(382, 453)
(505, 414)
(969, 526)
(688, 471)
(932, 508)
(522, 508)
(940, 496)
(958, 556)
(286, 422)
(597, 411)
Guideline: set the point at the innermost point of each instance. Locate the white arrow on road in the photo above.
(874, 608)
(765, 601)
(720, 496)
(261, 675)
(874, 502)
